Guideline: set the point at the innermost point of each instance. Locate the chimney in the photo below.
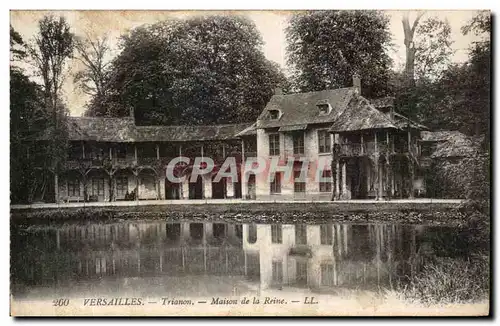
(278, 91)
(356, 82)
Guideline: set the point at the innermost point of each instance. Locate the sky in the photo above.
(271, 25)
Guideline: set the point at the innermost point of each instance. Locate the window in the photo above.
(274, 114)
(324, 108)
(326, 186)
(327, 274)
(277, 272)
(300, 234)
(298, 143)
(298, 186)
(301, 275)
(98, 186)
(276, 233)
(121, 186)
(324, 141)
(74, 188)
(326, 234)
(274, 144)
(426, 149)
(276, 184)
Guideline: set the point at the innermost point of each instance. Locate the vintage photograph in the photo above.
(250, 163)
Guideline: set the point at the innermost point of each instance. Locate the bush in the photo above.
(449, 280)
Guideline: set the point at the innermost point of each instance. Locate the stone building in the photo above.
(113, 159)
(354, 148)
(324, 145)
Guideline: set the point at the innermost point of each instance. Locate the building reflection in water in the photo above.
(271, 255)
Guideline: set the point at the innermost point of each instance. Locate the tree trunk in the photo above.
(409, 32)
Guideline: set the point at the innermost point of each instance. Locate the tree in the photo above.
(196, 71)
(325, 49)
(28, 121)
(428, 51)
(52, 46)
(17, 46)
(432, 48)
(93, 77)
(409, 32)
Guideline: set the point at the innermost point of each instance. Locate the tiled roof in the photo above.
(452, 144)
(382, 102)
(125, 130)
(300, 108)
(248, 131)
(402, 122)
(361, 115)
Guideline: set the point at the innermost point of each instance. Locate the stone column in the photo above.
(377, 178)
(337, 179)
(206, 181)
(388, 179)
(344, 180)
(229, 188)
(411, 170)
(380, 181)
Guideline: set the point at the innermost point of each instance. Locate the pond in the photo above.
(197, 258)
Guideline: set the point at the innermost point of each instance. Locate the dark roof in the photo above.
(300, 108)
(402, 122)
(361, 115)
(442, 135)
(382, 102)
(248, 131)
(452, 144)
(125, 130)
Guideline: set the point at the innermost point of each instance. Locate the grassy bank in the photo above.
(447, 280)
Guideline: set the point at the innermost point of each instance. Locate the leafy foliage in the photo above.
(432, 48)
(325, 49)
(51, 47)
(92, 78)
(37, 112)
(195, 71)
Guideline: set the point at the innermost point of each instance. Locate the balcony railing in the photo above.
(370, 148)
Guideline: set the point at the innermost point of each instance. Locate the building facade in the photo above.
(339, 146)
(324, 145)
(112, 159)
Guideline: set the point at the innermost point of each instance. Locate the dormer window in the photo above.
(324, 107)
(274, 114)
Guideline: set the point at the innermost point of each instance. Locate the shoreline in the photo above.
(439, 213)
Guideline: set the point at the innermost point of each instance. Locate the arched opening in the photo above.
(98, 185)
(172, 190)
(71, 187)
(148, 188)
(218, 188)
(196, 188)
(124, 184)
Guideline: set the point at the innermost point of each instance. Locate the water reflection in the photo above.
(266, 255)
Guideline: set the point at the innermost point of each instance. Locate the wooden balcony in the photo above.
(370, 148)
